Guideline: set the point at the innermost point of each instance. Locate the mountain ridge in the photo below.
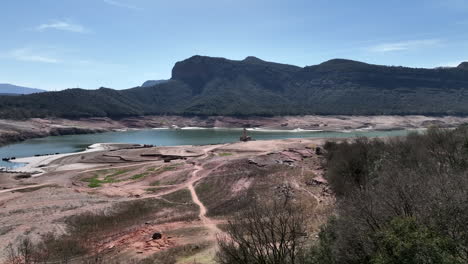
(152, 83)
(202, 86)
(7, 88)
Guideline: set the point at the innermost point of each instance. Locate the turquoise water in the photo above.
(164, 137)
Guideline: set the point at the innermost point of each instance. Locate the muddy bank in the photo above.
(16, 131)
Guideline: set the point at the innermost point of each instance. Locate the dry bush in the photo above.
(49, 250)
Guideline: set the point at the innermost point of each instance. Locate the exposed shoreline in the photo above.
(17, 131)
(184, 192)
(33, 164)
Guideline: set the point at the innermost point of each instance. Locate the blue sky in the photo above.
(58, 44)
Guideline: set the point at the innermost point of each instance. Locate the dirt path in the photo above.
(203, 210)
(202, 215)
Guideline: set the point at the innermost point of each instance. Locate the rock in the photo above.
(285, 190)
(314, 182)
(292, 155)
(433, 123)
(156, 236)
(318, 151)
(22, 176)
(245, 137)
(305, 153)
(260, 161)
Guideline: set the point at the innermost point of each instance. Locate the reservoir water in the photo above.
(165, 137)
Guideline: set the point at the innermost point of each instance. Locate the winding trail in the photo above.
(202, 215)
(214, 230)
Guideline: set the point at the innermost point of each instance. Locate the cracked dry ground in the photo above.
(112, 202)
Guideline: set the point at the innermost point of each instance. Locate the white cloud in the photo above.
(120, 4)
(404, 45)
(62, 25)
(26, 54)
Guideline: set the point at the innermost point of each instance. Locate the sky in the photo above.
(59, 44)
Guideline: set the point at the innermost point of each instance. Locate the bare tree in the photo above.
(26, 252)
(271, 233)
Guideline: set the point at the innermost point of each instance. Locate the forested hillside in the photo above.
(398, 201)
(217, 86)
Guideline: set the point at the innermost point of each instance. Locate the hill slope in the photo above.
(217, 86)
(6, 88)
(152, 82)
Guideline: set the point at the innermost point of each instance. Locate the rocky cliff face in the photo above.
(199, 71)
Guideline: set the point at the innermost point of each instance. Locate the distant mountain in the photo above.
(218, 86)
(463, 65)
(6, 88)
(152, 83)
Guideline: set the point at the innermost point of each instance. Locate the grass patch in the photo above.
(174, 179)
(86, 230)
(187, 231)
(155, 183)
(156, 189)
(155, 171)
(180, 253)
(92, 225)
(309, 176)
(138, 176)
(121, 215)
(6, 229)
(180, 196)
(118, 172)
(215, 191)
(96, 181)
(166, 168)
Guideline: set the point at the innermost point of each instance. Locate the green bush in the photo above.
(404, 241)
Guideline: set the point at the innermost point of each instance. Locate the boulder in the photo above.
(318, 151)
(156, 236)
